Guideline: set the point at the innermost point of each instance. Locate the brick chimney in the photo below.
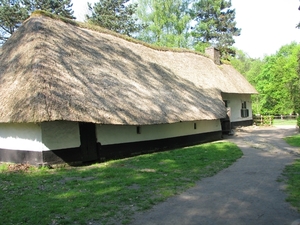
(213, 54)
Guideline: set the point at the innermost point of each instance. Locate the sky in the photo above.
(266, 25)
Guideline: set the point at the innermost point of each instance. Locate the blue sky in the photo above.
(266, 24)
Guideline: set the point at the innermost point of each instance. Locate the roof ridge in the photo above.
(100, 29)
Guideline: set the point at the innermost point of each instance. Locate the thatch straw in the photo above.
(51, 70)
(103, 30)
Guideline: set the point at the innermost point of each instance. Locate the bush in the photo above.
(298, 122)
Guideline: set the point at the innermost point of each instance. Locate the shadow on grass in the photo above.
(110, 192)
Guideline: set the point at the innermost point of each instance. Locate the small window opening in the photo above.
(244, 106)
(244, 110)
(195, 126)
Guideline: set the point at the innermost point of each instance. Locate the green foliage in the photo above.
(201, 46)
(115, 15)
(12, 13)
(250, 68)
(58, 7)
(298, 121)
(246, 65)
(279, 82)
(241, 62)
(106, 31)
(3, 168)
(106, 193)
(166, 22)
(216, 25)
(276, 78)
(291, 173)
(169, 23)
(293, 140)
(263, 120)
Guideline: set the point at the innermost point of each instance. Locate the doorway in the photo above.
(88, 142)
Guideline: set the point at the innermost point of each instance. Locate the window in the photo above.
(244, 110)
(244, 106)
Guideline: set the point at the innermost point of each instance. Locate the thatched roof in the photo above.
(51, 70)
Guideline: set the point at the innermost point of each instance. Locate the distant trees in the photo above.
(173, 23)
(276, 78)
(167, 22)
(281, 93)
(14, 12)
(193, 24)
(116, 15)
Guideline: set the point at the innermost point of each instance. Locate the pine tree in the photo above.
(11, 16)
(14, 12)
(57, 7)
(116, 15)
(216, 25)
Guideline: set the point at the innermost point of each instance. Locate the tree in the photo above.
(167, 22)
(246, 65)
(11, 16)
(58, 7)
(14, 12)
(279, 81)
(116, 15)
(241, 62)
(297, 87)
(216, 25)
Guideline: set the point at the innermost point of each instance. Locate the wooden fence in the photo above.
(260, 120)
(286, 117)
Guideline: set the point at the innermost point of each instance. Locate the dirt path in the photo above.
(247, 193)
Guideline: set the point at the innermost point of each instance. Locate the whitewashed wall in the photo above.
(39, 137)
(63, 134)
(234, 102)
(21, 136)
(60, 135)
(114, 134)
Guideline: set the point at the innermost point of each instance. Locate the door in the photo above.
(88, 142)
(226, 123)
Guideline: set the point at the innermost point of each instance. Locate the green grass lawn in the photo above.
(292, 175)
(284, 122)
(109, 192)
(293, 140)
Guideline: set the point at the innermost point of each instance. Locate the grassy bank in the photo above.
(109, 192)
(292, 174)
(293, 140)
